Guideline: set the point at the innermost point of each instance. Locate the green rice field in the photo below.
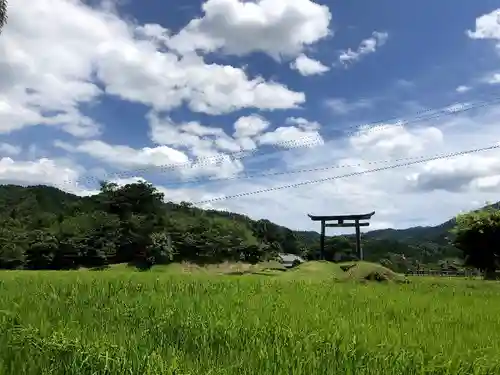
(204, 323)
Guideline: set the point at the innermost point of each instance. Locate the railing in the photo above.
(443, 273)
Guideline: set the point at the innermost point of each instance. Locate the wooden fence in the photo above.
(443, 273)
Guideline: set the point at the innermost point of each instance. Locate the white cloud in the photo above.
(142, 74)
(8, 149)
(214, 153)
(158, 160)
(53, 50)
(42, 171)
(456, 175)
(395, 141)
(462, 89)
(45, 61)
(275, 27)
(366, 47)
(307, 66)
(494, 79)
(488, 183)
(248, 132)
(487, 26)
(215, 156)
(302, 135)
(125, 156)
(250, 126)
(303, 123)
(341, 106)
(194, 137)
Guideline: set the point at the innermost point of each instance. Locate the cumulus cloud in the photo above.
(125, 156)
(158, 160)
(308, 67)
(487, 26)
(303, 123)
(250, 126)
(200, 140)
(141, 74)
(366, 47)
(8, 149)
(299, 133)
(58, 173)
(457, 174)
(275, 27)
(494, 79)
(396, 141)
(53, 50)
(461, 89)
(212, 156)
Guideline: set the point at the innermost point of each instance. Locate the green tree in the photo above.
(339, 248)
(139, 198)
(477, 235)
(42, 247)
(3, 14)
(160, 249)
(12, 247)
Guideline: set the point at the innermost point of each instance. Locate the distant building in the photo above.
(290, 260)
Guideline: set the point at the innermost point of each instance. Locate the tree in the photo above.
(3, 14)
(160, 249)
(477, 235)
(12, 247)
(139, 198)
(42, 247)
(339, 248)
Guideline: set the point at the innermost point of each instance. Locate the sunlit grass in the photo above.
(122, 322)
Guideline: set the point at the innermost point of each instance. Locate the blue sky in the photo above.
(91, 89)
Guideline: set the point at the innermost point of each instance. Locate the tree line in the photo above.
(45, 228)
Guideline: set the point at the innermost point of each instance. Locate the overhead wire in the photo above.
(295, 144)
(352, 174)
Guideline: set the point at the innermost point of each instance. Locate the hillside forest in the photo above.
(45, 228)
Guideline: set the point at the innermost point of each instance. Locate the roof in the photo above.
(342, 217)
(290, 258)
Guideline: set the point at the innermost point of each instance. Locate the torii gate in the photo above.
(341, 224)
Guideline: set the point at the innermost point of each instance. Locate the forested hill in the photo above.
(44, 227)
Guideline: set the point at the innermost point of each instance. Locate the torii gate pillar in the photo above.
(353, 221)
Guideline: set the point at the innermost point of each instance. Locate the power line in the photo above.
(295, 144)
(298, 171)
(310, 182)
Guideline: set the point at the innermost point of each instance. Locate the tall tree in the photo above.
(477, 234)
(3, 14)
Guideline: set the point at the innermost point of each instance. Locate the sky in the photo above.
(271, 108)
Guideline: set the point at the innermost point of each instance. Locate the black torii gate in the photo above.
(341, 224)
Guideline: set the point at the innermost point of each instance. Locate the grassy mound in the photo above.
(352, 271)
(365, 271)
(315, 270)
(225, 268)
